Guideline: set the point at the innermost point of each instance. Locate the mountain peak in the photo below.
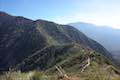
(4, 14)
(20, 35)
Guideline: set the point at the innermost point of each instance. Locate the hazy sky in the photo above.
(99, 12)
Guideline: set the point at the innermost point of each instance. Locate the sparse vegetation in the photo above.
(70, 69)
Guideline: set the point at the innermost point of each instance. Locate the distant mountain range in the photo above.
(105, 35)
(40, 45)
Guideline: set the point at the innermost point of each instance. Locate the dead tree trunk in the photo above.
(63, 75)
(88, 63)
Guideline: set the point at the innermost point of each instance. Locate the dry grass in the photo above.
(37, 75)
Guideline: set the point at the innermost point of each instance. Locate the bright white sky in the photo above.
(99, 12)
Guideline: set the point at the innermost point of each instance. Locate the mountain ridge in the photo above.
(96, 30)
(106, 36)
(21, 37)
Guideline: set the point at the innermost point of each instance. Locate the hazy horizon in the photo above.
(98, 12)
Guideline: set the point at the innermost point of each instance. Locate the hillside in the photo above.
(105, 35)
(108, 33)
(29, 45)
